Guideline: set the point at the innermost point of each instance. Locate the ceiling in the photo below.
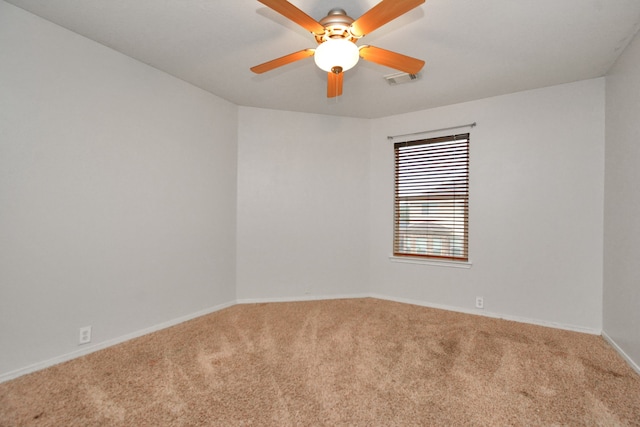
(473, 48)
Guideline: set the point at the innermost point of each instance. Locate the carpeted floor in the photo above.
(359, 362)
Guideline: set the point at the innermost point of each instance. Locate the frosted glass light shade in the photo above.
(336, 53)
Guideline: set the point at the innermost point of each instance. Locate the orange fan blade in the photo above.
(288, 10)
(380, 14)
(391, 59)
(334, 84)
(283, 60)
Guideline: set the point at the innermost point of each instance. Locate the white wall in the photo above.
(302, 205)
(117, 193)
(622, 205)
(536, 208)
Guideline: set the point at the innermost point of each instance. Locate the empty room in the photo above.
(357, 212)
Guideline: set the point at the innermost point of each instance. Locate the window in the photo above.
(431, 217)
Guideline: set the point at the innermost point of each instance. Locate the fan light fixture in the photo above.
(337, 34)
(336, 55)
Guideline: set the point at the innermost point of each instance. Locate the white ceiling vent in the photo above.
(398, 78)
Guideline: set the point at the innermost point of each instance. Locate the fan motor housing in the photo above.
(336, 25)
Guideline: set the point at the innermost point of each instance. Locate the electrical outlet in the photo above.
(479, 302)
(85, 335)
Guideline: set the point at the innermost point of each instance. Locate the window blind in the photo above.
(432, 198)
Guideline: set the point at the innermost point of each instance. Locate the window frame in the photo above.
(437, 175)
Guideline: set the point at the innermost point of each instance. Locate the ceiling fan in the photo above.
(336, 35)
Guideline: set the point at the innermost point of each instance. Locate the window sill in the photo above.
(416, 260)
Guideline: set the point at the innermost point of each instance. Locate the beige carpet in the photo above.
(360, 362)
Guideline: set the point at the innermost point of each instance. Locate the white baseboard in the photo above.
(478, 312)
(297, 299)
(104, 344)
(621, 352)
